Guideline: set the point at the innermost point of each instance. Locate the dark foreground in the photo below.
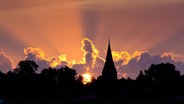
(168, 100)
(161, 83)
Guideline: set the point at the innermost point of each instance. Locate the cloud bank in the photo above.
(143, 61)
(127, 65)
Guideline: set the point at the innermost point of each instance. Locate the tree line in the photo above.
(63, 83)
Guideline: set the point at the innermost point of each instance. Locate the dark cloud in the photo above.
(80, 68)
(5, 62)
(127, 65)
(134, 66)
(37, 55)
(97, 70)
(88, 49)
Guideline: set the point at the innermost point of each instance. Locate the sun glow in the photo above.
(86, 78)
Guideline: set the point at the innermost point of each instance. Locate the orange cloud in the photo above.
(137, 54)
(38, 52)
(125, 56)
(168, 54)
(90, 52)
(127, 64)
(88, 62)
(89, 48)
(91, 61)
(54, 64)
(38, 55)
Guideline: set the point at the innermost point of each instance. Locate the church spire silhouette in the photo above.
(109, 71)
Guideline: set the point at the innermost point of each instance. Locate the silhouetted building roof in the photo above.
(109, 71)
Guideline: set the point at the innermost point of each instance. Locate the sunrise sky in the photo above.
(77, 31)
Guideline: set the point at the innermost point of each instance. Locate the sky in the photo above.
(76, 33)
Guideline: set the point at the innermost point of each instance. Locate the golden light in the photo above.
(86, 78)
(36, 51)
(62, 58)
(54, 64)
(168, 54)
(123, 55)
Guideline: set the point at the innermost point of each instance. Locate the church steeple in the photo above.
(109, 71)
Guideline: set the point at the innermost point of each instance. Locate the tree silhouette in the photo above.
(63, 83)
(162, 72)
(66, 75)
(160, 80)
(49, 74)
(26, 67)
